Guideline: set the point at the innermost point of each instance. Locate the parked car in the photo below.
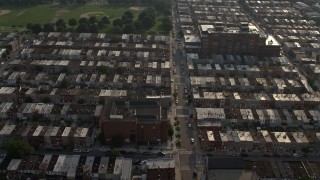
(244, 154)
(77, 150)
(147, 153)
(161, 153)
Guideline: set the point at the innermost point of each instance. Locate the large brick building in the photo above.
(138, 121)
(245, 39)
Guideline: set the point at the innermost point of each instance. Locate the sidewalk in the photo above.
(140, 148)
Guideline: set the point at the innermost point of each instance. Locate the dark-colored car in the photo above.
(136, 161)
(244, 154)
(161, 153)
(195, 173)
(276, 155)
(266, 155)
(147, 153)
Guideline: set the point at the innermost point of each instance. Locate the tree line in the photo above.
(91, 24)
(125, 24)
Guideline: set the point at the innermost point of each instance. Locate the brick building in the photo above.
(136, 121)
(245, 39)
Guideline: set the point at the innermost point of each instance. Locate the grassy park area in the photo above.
(16, 18)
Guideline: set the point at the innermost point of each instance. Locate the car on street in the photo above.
(147, 153)
(161, 153)
(243, 154)
(297, 155)
(191, 140)
(195, 173)
(189, 125)
(77, 150)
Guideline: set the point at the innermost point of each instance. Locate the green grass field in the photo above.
(20, 16)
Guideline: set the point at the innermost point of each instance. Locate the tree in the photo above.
(29, 26)
(138, 26)
(117, 141)
(170, 130)
(117, 22)
(129, 14)
(17, 148)
(48, 27)
(83, 21)
(92, 19)
(72, 22)
(60, 22)
(36, 28)
(115, 153)
(81, 101)
(60, 28)
(64, 83)
(93, 28)
(105, 20)
(129, 28)
(166, 26)
(46, 100)
(83, 28)
(125, 19)
(28, 99)
(147, 22)
(116, 30)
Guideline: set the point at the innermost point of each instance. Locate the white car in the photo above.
(76, 150)
(191, 140)
(189, 125)
(297, 155)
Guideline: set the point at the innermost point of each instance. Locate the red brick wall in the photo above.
(111, 129)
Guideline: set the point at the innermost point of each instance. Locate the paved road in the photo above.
(189, 153)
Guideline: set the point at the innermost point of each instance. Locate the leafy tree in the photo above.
(117, 141)
(117, 22)
(37, 28)
(81, 101)
(129, 14)
(93, 20)
(170, 130)
(105, 20)
(60, 28)
(46, 100)
(147, 22)
(115, 153)
(129, 28)
(28, 99)
(125, 19)
(17, 148)
(29, 26)
(48, 27)
(93, 28)
(83, 21)
(72, 22)
(64, 83)
(83, 28)
(142, 15)
(116, 30)
(138, 26)
(60, 22)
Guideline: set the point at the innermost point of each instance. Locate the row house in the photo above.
(70, 167)
(48, 136)
(260, 140)
(50, 111)
(239, 100)
(210, 117)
